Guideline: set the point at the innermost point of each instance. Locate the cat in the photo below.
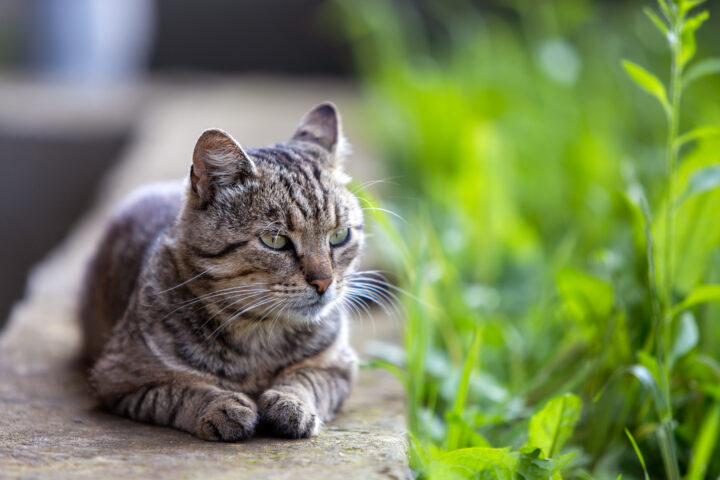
(218, 306)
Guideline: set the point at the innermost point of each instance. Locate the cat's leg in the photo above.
(137, 385)
(206, 411)
(303, 397)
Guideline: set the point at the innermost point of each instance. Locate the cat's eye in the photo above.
(340, 237)
(276, 242)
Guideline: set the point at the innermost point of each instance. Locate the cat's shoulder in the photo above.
(152, 197)
(145, 212)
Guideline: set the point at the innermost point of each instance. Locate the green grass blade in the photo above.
(455, 429)
(704, 445)
(638, 453)
(668, 448)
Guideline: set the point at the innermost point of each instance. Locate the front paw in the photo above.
(228, 417)
(286, 415)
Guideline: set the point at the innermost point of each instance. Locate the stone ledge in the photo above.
(50, 426)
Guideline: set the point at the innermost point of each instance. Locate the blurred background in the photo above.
(504, 133)
(74, 75)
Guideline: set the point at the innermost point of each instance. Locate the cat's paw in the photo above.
(228, 417)
(286, 415)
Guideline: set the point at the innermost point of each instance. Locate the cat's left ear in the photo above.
(322, 125)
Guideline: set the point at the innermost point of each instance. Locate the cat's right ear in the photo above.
(218, 161)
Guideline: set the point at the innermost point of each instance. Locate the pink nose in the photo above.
(321, 284)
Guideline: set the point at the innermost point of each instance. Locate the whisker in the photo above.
(270, 309)
(377, 299)
(377, 291)
(187, 281)
(236, 315)
(228, 291)
(356, 305)
(384, 210)
(381, 282)
(237, 299)
(205, 297)
(369, 184)
(359, 306)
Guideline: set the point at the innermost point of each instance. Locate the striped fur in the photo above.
(192, 322)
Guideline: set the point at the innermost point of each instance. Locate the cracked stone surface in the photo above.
(51, 426)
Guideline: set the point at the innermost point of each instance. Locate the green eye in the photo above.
(276, 242)
(339, 237)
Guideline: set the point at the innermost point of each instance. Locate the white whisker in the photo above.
(187, 281)
(236, 315)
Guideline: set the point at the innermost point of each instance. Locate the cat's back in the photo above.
(114, 268)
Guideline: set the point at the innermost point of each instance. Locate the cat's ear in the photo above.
(322, 125)
(218, 160)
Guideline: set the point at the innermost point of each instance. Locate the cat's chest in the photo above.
(251, 363)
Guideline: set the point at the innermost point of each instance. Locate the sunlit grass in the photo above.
(560, 243)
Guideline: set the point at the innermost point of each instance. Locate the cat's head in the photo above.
(274, 229)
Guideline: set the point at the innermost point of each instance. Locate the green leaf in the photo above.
(649, 362)
(700, 69)
(638, 453)
(647, 379)
(552, 426)
(703, 180)
(657, 21)
(689, 47)
(665, 8)
(702, 294)
(648, 82)
(697, 133)
(463, 433)
(531, 466)
(584, 296)
(687, 5)
(497, 463)
(686, 339)
(693, 23)
(664, 413)
(702, 450)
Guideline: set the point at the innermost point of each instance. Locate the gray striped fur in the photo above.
(190, 321)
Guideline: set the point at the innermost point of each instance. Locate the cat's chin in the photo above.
(310, 313)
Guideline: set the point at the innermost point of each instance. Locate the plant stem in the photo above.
(664, 332)
(671, 155)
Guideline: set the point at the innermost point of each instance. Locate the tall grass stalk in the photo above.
(679, 30)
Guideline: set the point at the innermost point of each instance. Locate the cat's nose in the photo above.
(321, 284)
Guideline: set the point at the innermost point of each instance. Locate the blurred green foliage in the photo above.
(559, 275)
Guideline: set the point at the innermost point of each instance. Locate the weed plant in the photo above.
(560, 250)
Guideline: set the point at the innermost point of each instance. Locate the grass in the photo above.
(561, 231)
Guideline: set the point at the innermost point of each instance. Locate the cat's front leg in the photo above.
(301, 399)
(206, 411)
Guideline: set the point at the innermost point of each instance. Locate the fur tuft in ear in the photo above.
(218, 160)
(322, 125)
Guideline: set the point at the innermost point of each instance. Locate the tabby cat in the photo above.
(218, 305)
